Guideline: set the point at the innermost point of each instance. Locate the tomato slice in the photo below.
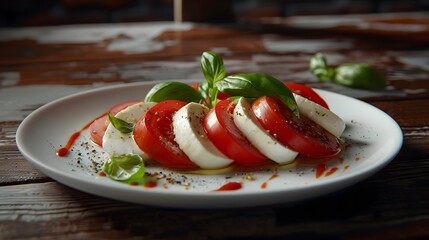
(307, 92)
(222, 96)
(98, 126)
(224, 134)
(300, 134)
(154, 135)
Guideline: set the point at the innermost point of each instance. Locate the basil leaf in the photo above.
(213, 97)
(254, 85)
(139, 177)
(319, 67)
(119, 124)
(203, 87)
(359, 76)
(126, 167)
(213, 68)
(173, 91)
(350, 75)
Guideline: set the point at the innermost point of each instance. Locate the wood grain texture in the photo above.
(194, 41)
(52, 209)
(15, 169)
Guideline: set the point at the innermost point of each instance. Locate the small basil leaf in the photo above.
(203, 87)
(173, 91)
(254, 85)
(119, 124)
(139, 177)
(359, 76)
(319, 67)
(125, 167)
(213, 67)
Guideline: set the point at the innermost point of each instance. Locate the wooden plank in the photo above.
(193, 41)
(15, 169)
(405, 81)
(51, 210)
(408, 113)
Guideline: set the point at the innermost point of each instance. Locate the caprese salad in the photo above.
(245, 119)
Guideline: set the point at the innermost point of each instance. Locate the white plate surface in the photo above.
(372, 140)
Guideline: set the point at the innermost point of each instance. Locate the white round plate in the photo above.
(372, 139)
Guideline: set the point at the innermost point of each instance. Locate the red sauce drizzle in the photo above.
(346, 167)
(102, 174)
(231, 186)
(320, 169)
(65, 150)
(150, 185)
(331, 171)
(264, 184)
(134, 183)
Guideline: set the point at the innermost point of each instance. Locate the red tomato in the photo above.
(98, 126)
(195, 86)
(306, 92)
(154, 135)
(224, 134)
(300, 134)
(222, 96)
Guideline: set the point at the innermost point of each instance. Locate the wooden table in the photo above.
(38, 65)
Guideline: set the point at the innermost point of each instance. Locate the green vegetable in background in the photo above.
(319, 67)
(351, 75)
(359, 76)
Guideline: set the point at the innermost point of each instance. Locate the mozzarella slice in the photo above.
(115, 142)
(264, 142)
(192, 140)
(320, 115)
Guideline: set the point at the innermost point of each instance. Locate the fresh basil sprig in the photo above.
(119, 124)
(254, 85)
(246, 85)
(173, 91)
(126, 168)
(214, 72)
(351, 75)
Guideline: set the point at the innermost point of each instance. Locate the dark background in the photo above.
(18, 13)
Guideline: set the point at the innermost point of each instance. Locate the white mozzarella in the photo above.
(320, 115)
(192, 139)
(115, 142)
(264, 142)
